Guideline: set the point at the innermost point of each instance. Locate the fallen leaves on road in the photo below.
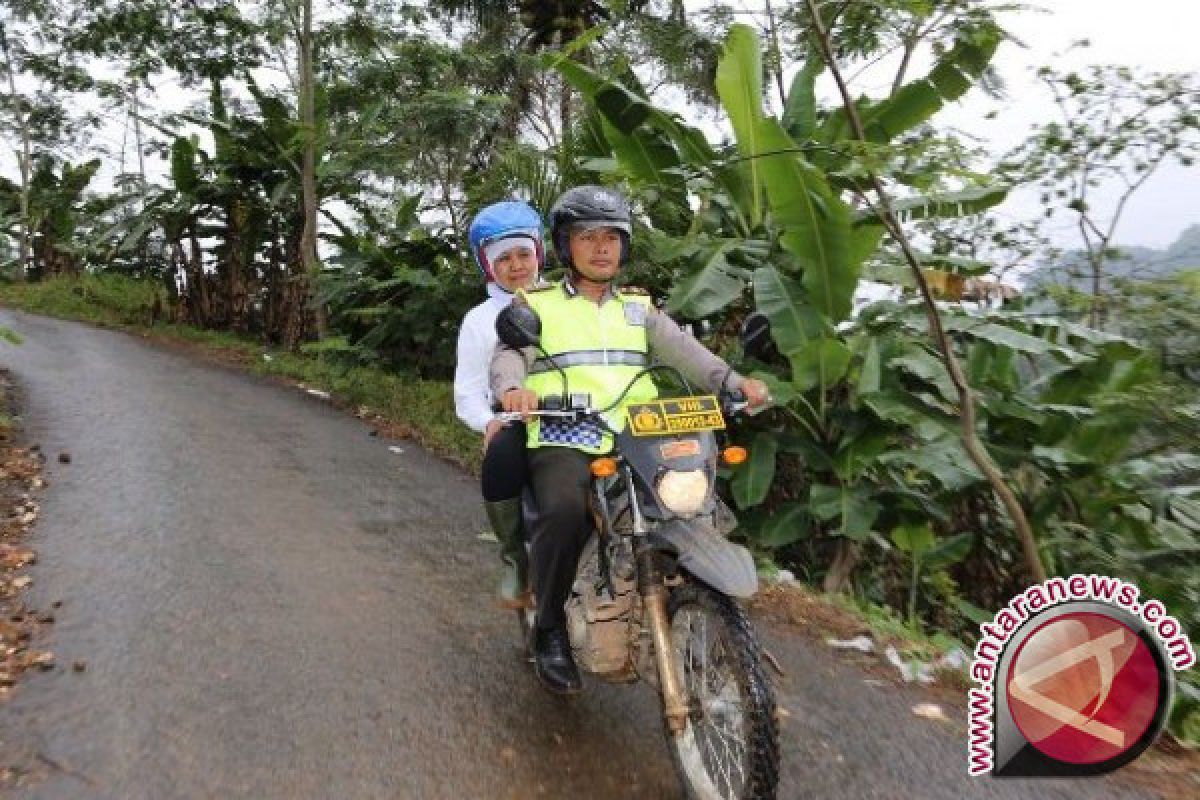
(20, 477)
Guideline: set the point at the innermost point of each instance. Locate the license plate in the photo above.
(677, 415)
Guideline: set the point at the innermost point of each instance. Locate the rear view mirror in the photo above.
(519, 326)
(755, 336)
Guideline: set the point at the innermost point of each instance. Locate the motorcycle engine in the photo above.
(599, 622)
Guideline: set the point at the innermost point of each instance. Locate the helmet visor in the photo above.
(597, 224)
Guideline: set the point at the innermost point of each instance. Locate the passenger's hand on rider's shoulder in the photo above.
(522, 400)
(757, 393)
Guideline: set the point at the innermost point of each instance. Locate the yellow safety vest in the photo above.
(600, 348)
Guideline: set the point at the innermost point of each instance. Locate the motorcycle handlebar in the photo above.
(732, 401)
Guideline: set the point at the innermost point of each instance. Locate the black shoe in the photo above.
(554, 663)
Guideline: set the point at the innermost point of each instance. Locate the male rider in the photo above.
(601, 336)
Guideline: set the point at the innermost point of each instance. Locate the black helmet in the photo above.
(598, 205)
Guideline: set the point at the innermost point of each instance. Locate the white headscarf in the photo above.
(493, 251)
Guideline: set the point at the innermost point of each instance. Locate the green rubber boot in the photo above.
(505, 518)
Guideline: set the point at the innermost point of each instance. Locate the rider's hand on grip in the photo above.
(519, 400)
(757, 393)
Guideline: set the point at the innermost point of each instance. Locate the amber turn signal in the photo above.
(734, 455)
(604, 467)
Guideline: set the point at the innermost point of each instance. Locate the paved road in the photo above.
(271, 604)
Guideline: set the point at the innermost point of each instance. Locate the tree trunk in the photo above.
(180, 302)
(294, 305)
(308, 246)
(845, 559)
(25, 162)
(777, 67)
(137, 141)
(197, 283)
(235, 266)
(272, 284)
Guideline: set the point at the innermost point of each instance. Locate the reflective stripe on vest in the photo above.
(590, 358)
(606, 347)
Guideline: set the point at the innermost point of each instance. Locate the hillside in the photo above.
(1133, 262)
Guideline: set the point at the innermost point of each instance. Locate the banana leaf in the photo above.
(815, 223)
(752, 479)
(852, 507)
(789, 523)
(915, 102)
(800, 110)
(739, 85)
(944, 459)
(820, 364)
(793, 321)
(953, 204)
(713, 285)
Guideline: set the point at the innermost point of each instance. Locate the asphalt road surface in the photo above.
(272, 604)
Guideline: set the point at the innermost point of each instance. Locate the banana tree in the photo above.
(56, 194)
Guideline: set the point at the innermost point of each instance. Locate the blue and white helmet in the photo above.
(507, 219)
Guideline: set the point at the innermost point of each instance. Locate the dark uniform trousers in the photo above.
(561, 479)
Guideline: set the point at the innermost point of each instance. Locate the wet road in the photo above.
(271, 604)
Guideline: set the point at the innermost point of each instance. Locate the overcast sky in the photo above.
(1156, 35)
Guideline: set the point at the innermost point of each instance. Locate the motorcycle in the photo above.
(656, 588)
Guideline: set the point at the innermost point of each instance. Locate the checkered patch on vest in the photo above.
(554, 430)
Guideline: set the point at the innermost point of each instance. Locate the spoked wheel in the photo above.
(729, 749)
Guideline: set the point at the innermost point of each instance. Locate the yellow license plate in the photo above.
(677, 415)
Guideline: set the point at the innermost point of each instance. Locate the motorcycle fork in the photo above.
(653, 589)
(604, 533)
(654, 604)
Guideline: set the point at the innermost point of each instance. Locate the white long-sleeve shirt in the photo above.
(476, 343)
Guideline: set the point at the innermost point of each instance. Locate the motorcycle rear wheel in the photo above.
(729, 749)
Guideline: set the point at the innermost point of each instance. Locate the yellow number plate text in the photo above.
(677, 415)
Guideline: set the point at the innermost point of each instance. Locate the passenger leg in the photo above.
(504, 476)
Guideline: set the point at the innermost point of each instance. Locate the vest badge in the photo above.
(635, 314)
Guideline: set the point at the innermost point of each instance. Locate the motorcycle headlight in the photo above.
(683, 492)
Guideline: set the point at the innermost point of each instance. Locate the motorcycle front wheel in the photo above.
(729, 748)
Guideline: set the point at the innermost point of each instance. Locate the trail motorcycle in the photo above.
(655, 587)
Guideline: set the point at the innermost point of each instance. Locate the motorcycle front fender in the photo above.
(709, 556)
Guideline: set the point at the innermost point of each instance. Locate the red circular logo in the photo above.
(1083, 688)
